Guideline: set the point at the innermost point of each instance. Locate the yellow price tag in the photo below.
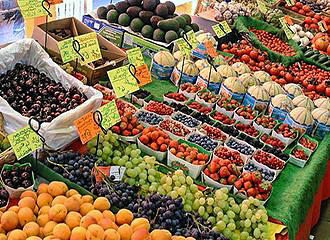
(221, 29)
(290, 2)
(288, 32)
(89, 48)
(192, 39)
(135, 56)
(31, 8)
(262, 6)
(122, 81)
(24, 141)
(110, 114)
(183, 47)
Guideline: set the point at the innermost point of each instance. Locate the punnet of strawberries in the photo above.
(159, 108)
(286, 131)
(213, 133)
(268, 160)
(124, 107)
(208, 97)
(174, 127)
(224, 119)
(300, 154)
(199, 107)
(231, 155)
(308, 143)
(128, 126)
(252, 185)
(266, 121)
(246, 112)
(176, 96)
(190, 88)
(248, 129)
(228, 104)
(155, 138)
(188, 153)
(276, 143)
(222, 171)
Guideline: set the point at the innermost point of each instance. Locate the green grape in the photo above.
(163, 179)
(263, 235)
(227, 233)
(189, 202)
(116, 143)
(198, 194)
(179, 172)
(135, 161)
(138, 170)
(155, 184)
(182, 191)
(169, 181)
(201, 210)
(253, 219)
(189, 196)
(210, 201)
(106, 150)
(167, 187)
(117, 153)
(244, 207)
(151, 178)
(220, 215)
(236, 208)
(225, 219)
(202, 201)
(152, 172)
(115, 160)
(231, 220)
(93, 150)
(222, 204)
(211, 220)
(249, 214)
(175, 178)
(177, 184)
(196, 204)
(152, 188)
(256, 233)
(189, 180)
(145, 187)
(264, 218)
(209, 209)
(193, 188)
(131, 181)
(231, 214)
(121, 162)
(161, 190)
(90, 145)
(221, 225)
(242, 215)
(187, 208)
(206, 216)
(247, 223)
(216, 210)
(182, 179)
(134, 147)
(262, 227)
(128, 165)
(174, 194)
(236, 236)
(104, 157)
(224, 190)
(99, 153)
(231, 226)
(142, 181)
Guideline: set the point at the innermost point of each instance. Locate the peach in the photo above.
(96, 214)
(78, 233)
(29, 193)
(34, 238)
(178, 238)
(44, 199)
(109, 214)
(57, 213)
(73, 203)
(42, 188)
(27, 202)
(94, 232)
(87, 199)
(57, 188)
(73, 219)
(31, 229)
(141, 234)
(2, 230)
(190, 238)
(9, 220)
(125, 231)
(101, 204)
(36, 210)
(111, 234)
(42, 220)
(44, 210)
(138, 223)
(14, 209)
(87, 220)
(17, 234)
(160, 235)
(124, 216)
(25, 215)
(71, 192)
(59, 200)
(107, 223)
(3, 236)
(48, 228)
(62, 231)
(86, 208)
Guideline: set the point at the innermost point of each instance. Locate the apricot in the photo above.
(94, 232)
(36, 210)
(73, 203)
(138, 223)
(87, 199)
(57, 188)
(86, 208)
(87, 220)
(34, 238)
(124, 216)
(109, 214)
(29, 193)
(27, 202)
(111, 234)
(107, 223)
(14, 209)
(2, 230)
(57, 213)
(140, 234)
(48, 228)
(31, 229)
(71, 192)
(125, 231)
(78, 233)
(101, 203)
(62, 231)
(9, 220)
(160, 235)
(3, 236)
(17, 234)
(25, 215)
(44, 199)
(190, 238)
(178, 238)
(42, 188)
(44, 210)
(59, 200)
(42, 220)
(96, 214)
(73, 219)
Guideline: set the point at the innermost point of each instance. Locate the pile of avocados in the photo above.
(154, 20)
(315, 55)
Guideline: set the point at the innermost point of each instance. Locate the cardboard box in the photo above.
(112, 53)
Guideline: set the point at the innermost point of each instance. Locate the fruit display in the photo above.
(228, 104)
(212, 132)
(248, 129)
(199, 107)
(124, 107)
(186, 120)
(190, 88)
(286, 131)
(246, 112)
(243, 148)
(301, 117)
(229, 11)
(274, 142)
(266, 122)
(207, 97)
(303, 101)
(159, 108)
(228, 154)
(188, 153)
(224, 119)
(149, 117)
(179, 97)
(268, 160)
(271, 16)
(300, 154)
(108, 95)
(128, 126)
(307, 143)
(204, 141)
(174, 127)
(266, 174)
(17, 176)
(155, 138)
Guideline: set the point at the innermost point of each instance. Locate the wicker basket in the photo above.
(8, 155)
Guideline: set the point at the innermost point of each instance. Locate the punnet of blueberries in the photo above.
(241, 147)
(17, 175)
(203, 118)
(278, 153)
(186, 120)
(149, 117)
(204, 141)
(266, 174)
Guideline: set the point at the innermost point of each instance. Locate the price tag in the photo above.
(31, 8)
(87, 128)
(53, 2)
(323, 26)
(183, 47)
(24, 141)
(262, 6)
(288, 32)
(143, 74)
(110, 114)
(290, 2)
(117, 172)
(221, 29)
(100, 172)
(288, 20)
(210, 49)
(89, 48)
(135, 56)
(192, 39)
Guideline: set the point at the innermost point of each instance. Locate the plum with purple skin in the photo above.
(17, 176)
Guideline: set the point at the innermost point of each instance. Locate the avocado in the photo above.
(147, 31)
(154, 20)
(170, 36)
(168, 24)
(135, 2)
(124, 19)
(170, 7)
(133, 12)
(187, 28)
(181, 21)
(136, 25)
(159, 35)
(111, 6)
(187, 18)
(161, 10)
(122, 6)
(195, 27)
(323, 59)
(149, 5)
(102, 12)
(145, 16)
(112, 16)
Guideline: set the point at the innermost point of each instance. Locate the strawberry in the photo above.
(224, 172)
(123, 125)
(207, 172)
(265, 196)
(233, 169)
(213, 167)
(231, 179)
(247, 185)
(225, 162)
(223, 181)
(256, 177)
(115, 129)
(135, 131)
(247, 176)
(264, 187)
(259, 197)
(251, 192)
(238, 184)
(215, 176)
(126, 133)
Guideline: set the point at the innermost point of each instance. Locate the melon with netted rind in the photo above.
(282, 102)
(241, 68)
(214, 76)
(202, 63)
(234, 84)
(262, 76)
(165, 59)
(178, 56)
(303, 101)
(248, 80)
(189, 68)
(322, 103)
(321, 115)
(204, 37)
(226, 71)
(293, 89)
(273, 88)
(259, 92)
(302, 116)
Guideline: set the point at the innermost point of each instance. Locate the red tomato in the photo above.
(327, 91)
(288, 77)
(245, 58)
(310, 87)
(308, 20)
(254, 54)
(320, 88)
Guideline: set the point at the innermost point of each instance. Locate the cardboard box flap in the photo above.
(62, 24)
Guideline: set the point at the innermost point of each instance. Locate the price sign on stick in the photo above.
(183, 47)
(221, 29)
(288, 32)
(32, 8)
(323, 26)
(210, 48)
(262, 6)
(290, 2)
(110, 114)
(135, 56)
(24, 141)
(192, 39)
(143, 74)
(87, 128)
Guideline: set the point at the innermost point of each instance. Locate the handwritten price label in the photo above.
(143, 74)
(89, 48)
(31, 8)
(122, 81)
(110, 114)
(100, 172)
(183, 47)
(135, 56)
(262, 6)
(116, 171)
(323, 26)
(24, 141)
(210, 49)
(53, 2)
(288, 32)
(221, 29)
(192, 39)
(86, 127)
(290, 2)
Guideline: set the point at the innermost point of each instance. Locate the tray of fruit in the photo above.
(198, 107)
(17, 178)
(190, 122)
(243, 147)
(276, 152)
(227, 106)
(173, 128)
(129, 128)
(207, 98)
(232, 155)
(262, 158)
(285, 133)
(189, 90)
(253, 185)
(124, 107)
(247, 129)
(140, 97)
(4, 199)
(273, 142)
(108, 94)
(204, 118)
(265, 124)
(202, 140)
(245, 114)
(267, 173)
(154, 142)
(220, 173)
(194, 157)
(222, 118)
(299, 156)
(159, 108)
(213, 132)
(178, 98)
(308, 143)
(148, 119)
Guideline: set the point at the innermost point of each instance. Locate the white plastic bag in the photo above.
(60, 131)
